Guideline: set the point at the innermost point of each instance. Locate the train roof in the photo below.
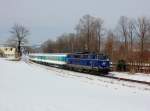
(48, 54)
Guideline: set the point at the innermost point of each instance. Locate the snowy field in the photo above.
(29, 87)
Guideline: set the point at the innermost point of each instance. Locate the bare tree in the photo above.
(142, 30)
(131, 32)
(99, 28)
(84, 29)
(72, 40)
(109, 44)
(48, 46)
(90, 30)
(123, 26)
(131, 36)
(19, 34)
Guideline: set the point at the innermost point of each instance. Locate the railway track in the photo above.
(95, 75)
(122, 79)
(130, 80)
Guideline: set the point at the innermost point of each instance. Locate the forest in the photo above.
(129, 41)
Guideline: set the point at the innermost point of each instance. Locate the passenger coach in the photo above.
(56, 59)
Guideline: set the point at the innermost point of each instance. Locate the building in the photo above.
(9, 52)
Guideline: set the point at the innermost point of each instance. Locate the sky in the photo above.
(47, 19)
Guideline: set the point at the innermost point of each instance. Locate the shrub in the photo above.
(121, 65)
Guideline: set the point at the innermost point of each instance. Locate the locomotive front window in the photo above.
(101, 56)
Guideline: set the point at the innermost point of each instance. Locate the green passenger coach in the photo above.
(59, 59)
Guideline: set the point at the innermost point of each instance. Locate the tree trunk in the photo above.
(19, 48)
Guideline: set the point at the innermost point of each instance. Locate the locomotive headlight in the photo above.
(104, 63)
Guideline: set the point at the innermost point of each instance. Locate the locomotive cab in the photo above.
(89, 61)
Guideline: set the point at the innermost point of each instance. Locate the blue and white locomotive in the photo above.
(74, 61)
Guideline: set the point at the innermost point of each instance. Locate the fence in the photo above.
(134, 67)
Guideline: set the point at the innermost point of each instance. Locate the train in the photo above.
(83, 62)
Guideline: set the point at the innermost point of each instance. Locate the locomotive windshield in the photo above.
(102, 56)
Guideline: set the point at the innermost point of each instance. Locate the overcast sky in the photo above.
(51, 18)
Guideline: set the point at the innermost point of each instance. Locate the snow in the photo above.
(136, 76)
(30, 87)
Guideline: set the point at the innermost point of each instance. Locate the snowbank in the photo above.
(25, 87)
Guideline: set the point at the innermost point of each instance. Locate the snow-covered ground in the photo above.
(29, 87)
(136, 76)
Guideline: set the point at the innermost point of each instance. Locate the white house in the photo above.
(8, 52)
